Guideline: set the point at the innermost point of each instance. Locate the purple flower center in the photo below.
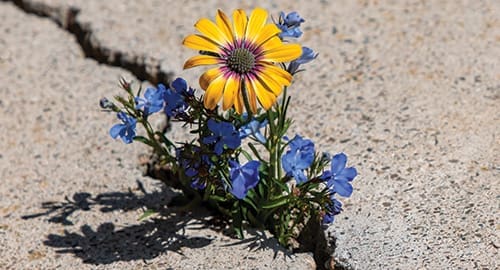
(241, 60)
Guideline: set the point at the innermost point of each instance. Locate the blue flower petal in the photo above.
(224, 133)
(179, 85)
(326, 175)
(349, 173)
(338, 163)
(232, 142)
(150, 93)
(328, 218)
(115, 130)
(343, 188)
(299, 176)
(260, 137)
(238, 189)
(244, 177)
(212, 125)
(210, 139)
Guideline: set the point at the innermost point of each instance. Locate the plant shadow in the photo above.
(107, 243)
(60, 212)
(145, 241)
(167, 232)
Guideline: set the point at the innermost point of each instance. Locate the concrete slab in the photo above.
(408, 89)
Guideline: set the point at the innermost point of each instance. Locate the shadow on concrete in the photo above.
(107, 243)
(60, 212)
(144, 241)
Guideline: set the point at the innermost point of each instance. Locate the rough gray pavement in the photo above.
(56, 154)
(408, 89)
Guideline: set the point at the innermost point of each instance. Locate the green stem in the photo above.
(245, 99)
(157, 147)
(272, 146)
(281, 125)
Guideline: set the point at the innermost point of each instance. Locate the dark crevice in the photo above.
(143, 67)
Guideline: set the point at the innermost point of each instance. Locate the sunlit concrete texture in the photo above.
(409, 90)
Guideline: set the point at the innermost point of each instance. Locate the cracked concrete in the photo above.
(408, 89)
(70, 198)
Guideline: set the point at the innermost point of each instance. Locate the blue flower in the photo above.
(339, 177)
(290, 24)
(307, 56)
(332, 210)
(181, 87)
(253, 128)
(125, 131)
(224, 134)
(175, 104)
(152, 101)
(195, 165)
(298, 158)
(243, 178)
(106, 104)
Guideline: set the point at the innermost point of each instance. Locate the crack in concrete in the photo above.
(143, 67)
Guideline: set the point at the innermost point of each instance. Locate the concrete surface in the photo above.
(409, 89)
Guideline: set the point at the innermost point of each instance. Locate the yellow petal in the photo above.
(200, 60)
(252, 100)
(264, 94)
(269, 31)
(284, 53)
(240, 23)
(271, 43)
(214, 92)
(257, 20)
(199, 42)
(280, 75)
(224, 25)
(211, 31)
(208, 77)
(271, 83)
(230, 91)
(238, 102)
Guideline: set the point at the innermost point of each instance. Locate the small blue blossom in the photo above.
(332, 210)
(298, 158)
(224, 134)
(174, 103)
(289, 25)
(106, 104)
(181, 87)
(125, 131)
(253, 129)
(152, 101)
(243, 178)
(307, 56)
(339, 177)
(195, 165)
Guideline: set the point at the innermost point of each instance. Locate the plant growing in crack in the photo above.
(241, 162)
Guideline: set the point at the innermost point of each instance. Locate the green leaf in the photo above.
(164, 139)
(148, 213)
(218, 198)
(246, 154)
(251, 203)
(237, 220)
(254, 151)
(276, 203)
(143, 140)
(282, 186)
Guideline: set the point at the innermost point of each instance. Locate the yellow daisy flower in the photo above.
(246, 51)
